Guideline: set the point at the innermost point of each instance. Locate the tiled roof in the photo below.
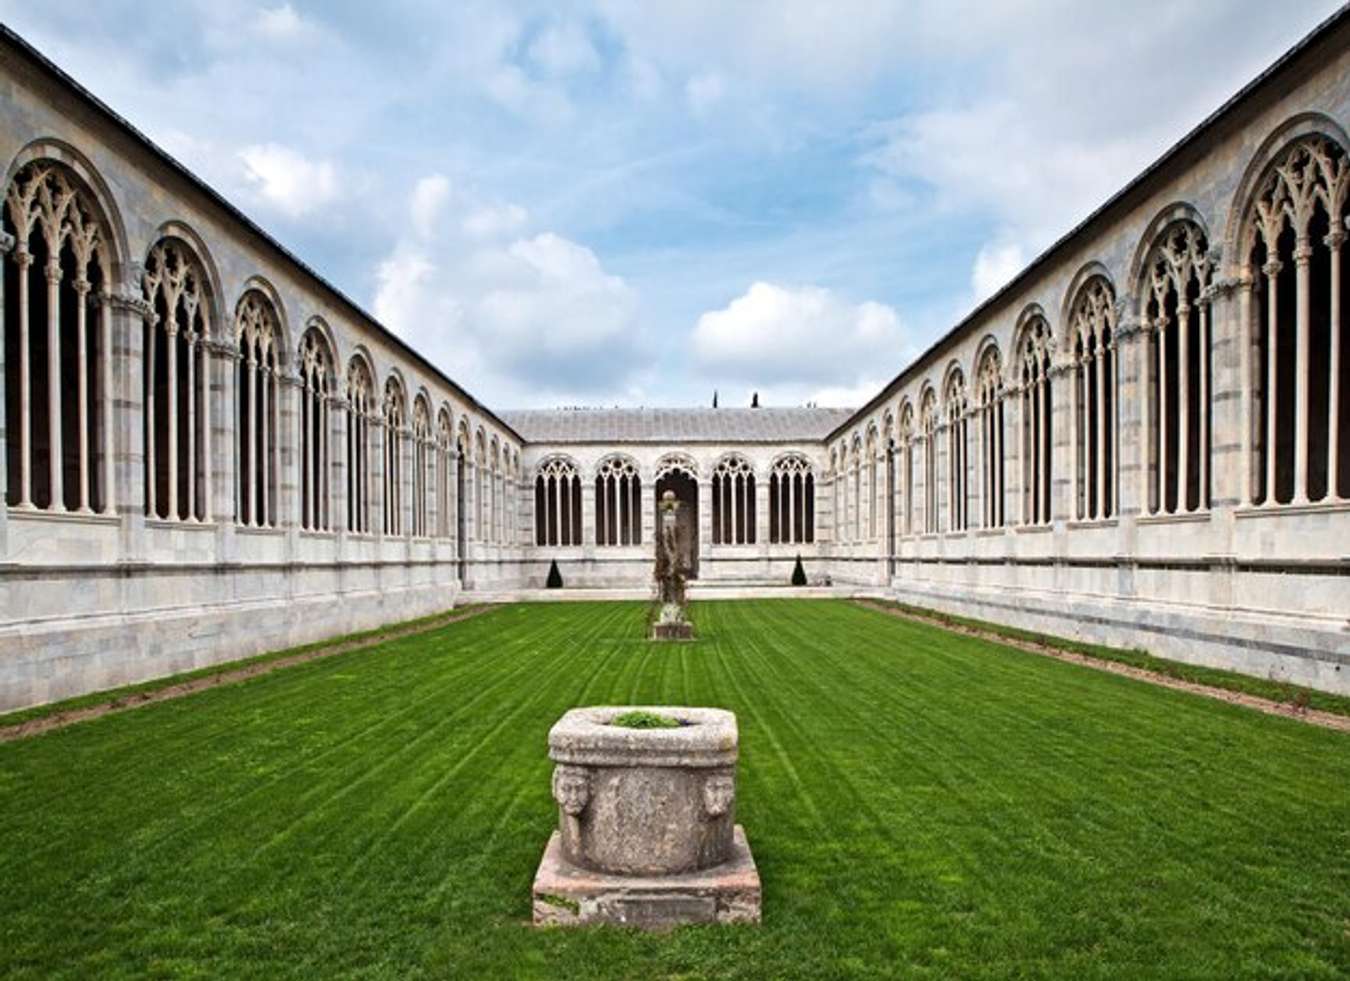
(673, 425)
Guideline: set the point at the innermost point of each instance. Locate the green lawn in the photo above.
(920, 804)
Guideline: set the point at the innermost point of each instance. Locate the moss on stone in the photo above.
(645, 720)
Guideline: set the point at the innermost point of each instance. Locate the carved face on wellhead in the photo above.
(571, 788)
(719, 790)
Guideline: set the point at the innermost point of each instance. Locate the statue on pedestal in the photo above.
(672, 623)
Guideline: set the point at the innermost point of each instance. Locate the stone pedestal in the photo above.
(678, 630)
(568, 895)
(646, 823)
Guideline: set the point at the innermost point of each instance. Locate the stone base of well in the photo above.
(565, 895)
(672, 631)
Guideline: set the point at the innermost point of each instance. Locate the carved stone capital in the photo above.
(222, 349)
(1272, 268)
(1336, 238)
(288, 379)
(130, 301)
(1129, 329)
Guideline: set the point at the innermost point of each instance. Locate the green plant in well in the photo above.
(645, 720)
(920, 804)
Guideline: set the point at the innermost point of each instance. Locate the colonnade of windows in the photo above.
(279, 407)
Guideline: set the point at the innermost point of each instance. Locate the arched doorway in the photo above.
(685, 487)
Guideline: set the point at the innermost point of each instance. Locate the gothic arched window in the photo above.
(989, 394)
(58, 363)
(792, 501)
(733, 503)
(928, 423)
(316, 372)
(360, 412)
(445, 448)
(175, 384)
(957, 404)
(422, 447)
(1177, 369)
(395, 417)
(1295, 243)
(906, 434)
(1036, 440)
(618, 503)
(257, 332)
(557, 503)
(1092, 329)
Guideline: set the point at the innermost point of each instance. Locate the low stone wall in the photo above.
(1300, 650)
(137, 638)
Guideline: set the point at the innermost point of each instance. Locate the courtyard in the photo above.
(920, 804)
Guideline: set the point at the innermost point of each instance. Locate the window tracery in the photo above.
(257, 333)
(989, 392)
(1296, 233)
(792, 501)
(557, 503)
(957, 405)
(395, 417)
(733, 502)
(360, 412)
(175, 384)
(1092, 330)
(1036, 433)
(316, 371)
(58, 350)
(1177, 369)
(618, 502)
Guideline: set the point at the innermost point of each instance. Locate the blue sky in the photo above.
(619, 202)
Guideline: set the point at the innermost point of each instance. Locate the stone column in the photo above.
(290, 390)
(704, 523)
(1228, 395)
(7, 243)
(1061, 382)
(1334, 241)
(1129, 413)
(222, 367)
(648, 516)
(377, 436)
(339, 408)
(127, 313)
(589, 531)
(1302, 370)
(761, 517)
(1272, 270)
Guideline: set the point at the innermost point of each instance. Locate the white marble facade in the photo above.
(211, 452)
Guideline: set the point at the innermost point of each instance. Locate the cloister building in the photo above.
(1141, 440)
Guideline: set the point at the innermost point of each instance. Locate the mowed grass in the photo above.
(920, 804)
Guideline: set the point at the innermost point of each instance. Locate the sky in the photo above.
(620, 202)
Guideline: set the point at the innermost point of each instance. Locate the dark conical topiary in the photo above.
(798, 573)
(554, 576)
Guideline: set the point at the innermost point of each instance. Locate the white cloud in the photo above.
(995, 265)
(279, 23)
(289, 181)
(429, 198)
(490, 222)
(703, 92)
(564, 49)
(793, 43)
(522, 318)
(799, 340)
(512, 89)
